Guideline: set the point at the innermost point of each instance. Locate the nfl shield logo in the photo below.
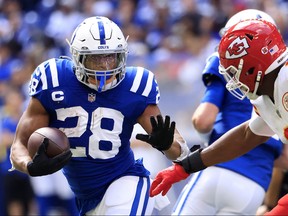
(91, 97)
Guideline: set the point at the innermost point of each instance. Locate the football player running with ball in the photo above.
(96, 100)
(253, 60)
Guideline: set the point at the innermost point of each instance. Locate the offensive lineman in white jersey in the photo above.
(253, 60)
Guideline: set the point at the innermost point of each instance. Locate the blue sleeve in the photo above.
(144, 83)
(47, 77)
(214, 93)
(154, 95)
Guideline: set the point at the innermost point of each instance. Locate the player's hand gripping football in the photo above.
(162, 134)
(43, 165)
(166, 178)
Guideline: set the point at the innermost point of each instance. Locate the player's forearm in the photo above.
(19, 157)
(174, 152)
(234, 143)
(178, 149)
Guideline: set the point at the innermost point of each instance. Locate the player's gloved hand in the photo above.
(162, 134)
(43, 165)
(165, 178)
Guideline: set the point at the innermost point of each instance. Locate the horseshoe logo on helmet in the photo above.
(237, 48)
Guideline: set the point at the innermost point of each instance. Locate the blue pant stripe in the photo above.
(137, 197)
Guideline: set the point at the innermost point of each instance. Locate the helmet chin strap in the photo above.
(102, 86)
(254, 96)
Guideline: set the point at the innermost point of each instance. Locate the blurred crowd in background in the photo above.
(172, 38)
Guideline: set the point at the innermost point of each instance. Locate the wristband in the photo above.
(193, 162)
(184, 150)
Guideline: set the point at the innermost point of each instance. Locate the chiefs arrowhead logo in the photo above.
(237, 48)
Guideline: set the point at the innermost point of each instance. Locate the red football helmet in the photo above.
(249, 50)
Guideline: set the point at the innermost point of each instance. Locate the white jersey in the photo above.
(273, 117)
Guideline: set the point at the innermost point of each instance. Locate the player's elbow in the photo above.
(204, 117)
(202, 124)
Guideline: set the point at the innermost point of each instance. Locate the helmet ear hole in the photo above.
(250, 36)
(250, 71)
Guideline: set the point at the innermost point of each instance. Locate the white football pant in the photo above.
(219, 191)
(128, 195)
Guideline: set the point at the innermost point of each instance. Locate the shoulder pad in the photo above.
(47, 75)
(143, 82)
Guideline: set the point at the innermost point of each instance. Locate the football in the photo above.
(58, 141)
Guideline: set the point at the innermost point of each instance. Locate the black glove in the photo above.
(162, 134)
(43, 165)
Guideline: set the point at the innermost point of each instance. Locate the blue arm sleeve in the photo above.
(215, 92)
